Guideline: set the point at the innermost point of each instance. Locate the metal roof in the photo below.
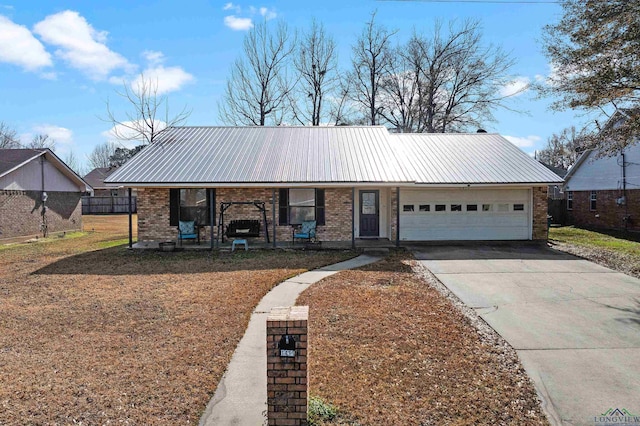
(474, 158)
(266, 155)
(330, 155)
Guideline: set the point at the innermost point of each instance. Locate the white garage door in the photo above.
(465, 214)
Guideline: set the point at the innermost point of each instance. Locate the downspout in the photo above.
(624, 191)
(43, 198)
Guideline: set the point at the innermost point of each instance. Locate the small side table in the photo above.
(236, 242)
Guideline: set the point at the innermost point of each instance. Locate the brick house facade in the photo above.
(608, 212)
(22, 213)
(154, 213)
(29, 176)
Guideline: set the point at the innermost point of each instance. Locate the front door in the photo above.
(369, 213)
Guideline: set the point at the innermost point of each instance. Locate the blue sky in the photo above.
(61, 60)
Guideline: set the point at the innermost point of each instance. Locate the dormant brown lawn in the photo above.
(97, 335)
(387, 349)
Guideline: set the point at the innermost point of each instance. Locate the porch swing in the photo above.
(242, 228)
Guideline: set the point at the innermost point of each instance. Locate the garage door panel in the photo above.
(506, 224)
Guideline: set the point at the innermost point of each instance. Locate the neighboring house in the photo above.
(106, 199)
(38, 193)
(605, 192)
(356, 182)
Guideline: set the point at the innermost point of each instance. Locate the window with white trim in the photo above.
(569, 200)
(593, 201)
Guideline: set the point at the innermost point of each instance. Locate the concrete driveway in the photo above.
(574, 324)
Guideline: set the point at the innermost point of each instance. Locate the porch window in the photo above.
(296, 205)
(191, 204)
(593, 201)
(570, 200)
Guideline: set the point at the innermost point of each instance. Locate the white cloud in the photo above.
(59, 134)
(163, 79)
(268, 13)
(123, 135)
(153, 57)
(82, 46)
(231, 6)
(523, 142)
(19, 47)
(238, 24)
(516, 87)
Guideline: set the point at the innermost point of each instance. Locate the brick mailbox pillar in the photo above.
(287, 385)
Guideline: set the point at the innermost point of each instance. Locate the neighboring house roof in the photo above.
(14, 159)
(330, 155)
(96, 177)
(557, 170)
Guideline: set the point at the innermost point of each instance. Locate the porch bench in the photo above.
(243, 228)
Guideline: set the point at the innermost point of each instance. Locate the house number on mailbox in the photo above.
(287, 346)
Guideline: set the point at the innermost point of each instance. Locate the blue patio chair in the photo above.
(187, 230)
(305, 231)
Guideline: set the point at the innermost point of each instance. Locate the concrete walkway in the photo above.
(241, 396)
(574, 324)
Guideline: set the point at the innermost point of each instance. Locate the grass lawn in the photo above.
(388, 349)
(612, 250)
(94, 334)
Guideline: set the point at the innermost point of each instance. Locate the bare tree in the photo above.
(400, 99)
(258, 89)
(100, 157)
(40, 141)
(371, 58)
(74, 163)
(595, 53)
(459, 80)
(563, 149)
(8, 137)
(316, 62)
(149, 113)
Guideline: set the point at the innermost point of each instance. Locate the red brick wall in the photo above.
(153, 213)
(608, 214)
(287, 384)
(21, 213)
(540, 211)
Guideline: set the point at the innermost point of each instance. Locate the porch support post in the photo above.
(353, 217)
(273, 214)
(212, 217)
(130, 220)
(397, 216)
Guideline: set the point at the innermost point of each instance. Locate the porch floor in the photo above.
(261, 244)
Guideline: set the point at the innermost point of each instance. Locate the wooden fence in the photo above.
(108, 205)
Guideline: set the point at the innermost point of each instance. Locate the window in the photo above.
(503, 207)
(407, 208)
(191, 204)
(441, 207)
(593, 201)
(424, 208)
(296, 205)
(569, 200)
(114, 192)
(518, 207)
(456, 207)
(472, 207)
